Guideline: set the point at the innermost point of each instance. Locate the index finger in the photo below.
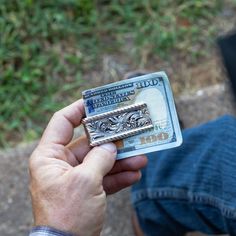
(61, 126)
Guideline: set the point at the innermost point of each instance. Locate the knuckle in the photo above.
(56, 115)
(33, 160)
(88, 177)
(102, 152)
(106, 156)
(58, 150)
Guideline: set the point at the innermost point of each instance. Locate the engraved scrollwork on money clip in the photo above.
(118, 124)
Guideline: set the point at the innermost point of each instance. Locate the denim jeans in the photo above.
(192, 187)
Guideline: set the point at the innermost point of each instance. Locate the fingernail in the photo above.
(111, 147)
(140, 175)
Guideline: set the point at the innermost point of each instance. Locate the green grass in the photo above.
(47, 46)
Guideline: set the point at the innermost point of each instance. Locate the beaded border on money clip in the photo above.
(118, 124)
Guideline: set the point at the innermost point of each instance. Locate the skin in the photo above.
(69, 180)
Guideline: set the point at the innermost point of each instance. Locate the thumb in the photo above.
(101, 159)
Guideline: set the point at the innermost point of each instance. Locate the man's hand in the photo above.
(69, 180)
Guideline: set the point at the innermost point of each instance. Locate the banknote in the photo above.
(152, 89)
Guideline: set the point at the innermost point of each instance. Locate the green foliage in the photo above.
(163, 25)
(46, 46)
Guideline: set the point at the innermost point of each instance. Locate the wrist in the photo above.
(52, 219)
(46, 230)
(55, 226)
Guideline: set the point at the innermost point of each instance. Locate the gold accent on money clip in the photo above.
(118, 124)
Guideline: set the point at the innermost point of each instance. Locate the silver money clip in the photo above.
(117, 124)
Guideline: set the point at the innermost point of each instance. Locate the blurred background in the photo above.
(52, 50)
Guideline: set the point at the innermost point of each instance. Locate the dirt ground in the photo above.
(184, 78)
(186, 75)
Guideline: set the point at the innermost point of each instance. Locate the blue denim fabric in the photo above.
(192, 187)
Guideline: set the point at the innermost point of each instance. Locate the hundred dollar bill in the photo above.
(155, 91)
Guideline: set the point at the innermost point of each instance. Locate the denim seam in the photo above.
(184, 195)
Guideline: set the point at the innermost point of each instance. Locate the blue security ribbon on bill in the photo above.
(139, 114)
